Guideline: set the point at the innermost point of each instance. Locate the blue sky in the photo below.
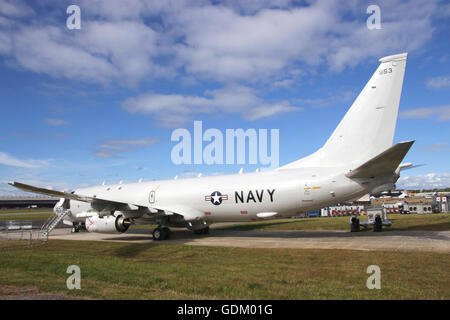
(79, 107)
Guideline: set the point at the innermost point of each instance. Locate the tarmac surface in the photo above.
(428, 241)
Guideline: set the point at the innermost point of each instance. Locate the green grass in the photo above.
(25, 211)
(25, 214)
(154, 271)
(37, 216)
(438, 222)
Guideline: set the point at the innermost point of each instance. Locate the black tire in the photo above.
(202, 231)
(158, 234)
(75, 228)
(166, 233)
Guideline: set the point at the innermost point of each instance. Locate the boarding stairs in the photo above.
(51, 223)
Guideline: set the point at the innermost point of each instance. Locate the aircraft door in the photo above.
(307, 193)
(151, 197)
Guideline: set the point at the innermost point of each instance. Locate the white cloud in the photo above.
(129, 42)
(49, 50)
(425, 181)
(440, 114)
(268, 110)
(134, 9)
(249, 7)
(285, 83)
(334, 98)
(437, 147)
(104, 154)
(55, 122)
(8, 160)
(405, 27)
(438, 83)
(129, 46)
(221, 43)
(110, 147)
(175, 110)
(101, 52)
(38, 135)
(15, 8)
(133, 142)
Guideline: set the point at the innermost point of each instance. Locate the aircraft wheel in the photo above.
(166, 233)
(157, 234)
(161, 233)
(202, 231)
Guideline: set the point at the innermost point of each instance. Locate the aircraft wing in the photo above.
(385, 163)
(49, 192)
(97, 203)
(104, 204)
(188, 213)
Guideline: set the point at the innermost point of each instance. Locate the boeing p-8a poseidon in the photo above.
(358, 158)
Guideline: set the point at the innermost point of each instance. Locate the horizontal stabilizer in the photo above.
(412, 166)
(384, 163)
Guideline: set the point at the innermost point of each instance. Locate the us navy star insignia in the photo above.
(216, 198)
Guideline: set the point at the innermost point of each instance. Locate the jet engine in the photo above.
(108, 224)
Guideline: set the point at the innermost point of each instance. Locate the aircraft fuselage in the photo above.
(236, 197)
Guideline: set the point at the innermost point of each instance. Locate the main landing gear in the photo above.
(202, 231)
(161, 233)
(77, 227)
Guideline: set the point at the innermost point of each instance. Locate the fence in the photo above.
(20, 233)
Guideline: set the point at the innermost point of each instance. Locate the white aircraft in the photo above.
(358, 158)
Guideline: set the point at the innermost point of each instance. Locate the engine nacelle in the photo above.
(108, 224)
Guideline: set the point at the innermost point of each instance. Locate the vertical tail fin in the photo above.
(368, 127)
